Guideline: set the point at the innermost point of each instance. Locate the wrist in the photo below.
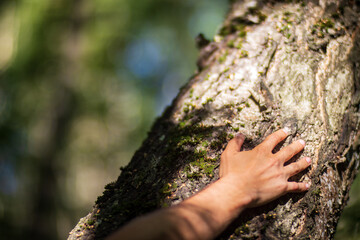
(212, 209)
(225, 199)
(237, 192)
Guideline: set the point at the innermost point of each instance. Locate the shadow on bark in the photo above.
(146, 183)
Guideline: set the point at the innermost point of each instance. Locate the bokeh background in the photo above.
(80, 84)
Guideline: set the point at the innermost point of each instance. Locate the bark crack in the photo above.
(264, 89)
(320, 81)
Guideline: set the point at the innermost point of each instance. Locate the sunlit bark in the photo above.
(274, 64)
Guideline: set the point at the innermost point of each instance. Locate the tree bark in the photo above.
(273, 65)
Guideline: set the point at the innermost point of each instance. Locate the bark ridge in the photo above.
(273, 64)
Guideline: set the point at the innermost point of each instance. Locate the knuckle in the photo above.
(291, 169)
(294, 186)
(232, 141)
(296, 166)
(273, 161)
(302, 165)
(292, 149)
(295, 147)
(299, 146)
(302, 186)
(283, 176)
(261, 148)
(275, 137)
(283, 186)
(271, 139)
(268, 138)
(260, 151)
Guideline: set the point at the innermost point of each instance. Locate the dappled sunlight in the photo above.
(81, 84)
(8, 31)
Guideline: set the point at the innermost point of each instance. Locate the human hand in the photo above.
(261, 174)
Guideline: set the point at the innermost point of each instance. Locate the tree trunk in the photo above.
(274, 64)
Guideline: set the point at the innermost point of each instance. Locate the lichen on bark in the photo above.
(275, 64)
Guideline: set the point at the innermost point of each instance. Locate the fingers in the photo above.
(235, 144)
(288, 152)
(296, 167)
(275, 138)
(297, 186)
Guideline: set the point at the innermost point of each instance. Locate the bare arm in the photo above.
(247, 179)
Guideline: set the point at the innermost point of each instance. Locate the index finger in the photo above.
(275, 138)
(234, 145)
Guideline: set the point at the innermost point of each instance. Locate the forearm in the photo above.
(248, 178)
(209, 212)
(203, 216)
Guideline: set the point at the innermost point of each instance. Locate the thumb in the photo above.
(235, 144)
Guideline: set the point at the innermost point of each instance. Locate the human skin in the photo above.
(247, 179)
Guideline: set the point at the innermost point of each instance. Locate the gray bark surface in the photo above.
(273, 65)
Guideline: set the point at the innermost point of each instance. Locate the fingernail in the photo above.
(286, 130)
(307, 185)
(308, 159)
(239, 135)
(302, 142)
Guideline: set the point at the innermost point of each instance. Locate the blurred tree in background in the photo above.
(80, 84)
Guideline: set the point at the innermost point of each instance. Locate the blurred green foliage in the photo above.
(80, 84)
(349, 225)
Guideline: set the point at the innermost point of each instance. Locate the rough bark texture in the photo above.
(274, 64)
